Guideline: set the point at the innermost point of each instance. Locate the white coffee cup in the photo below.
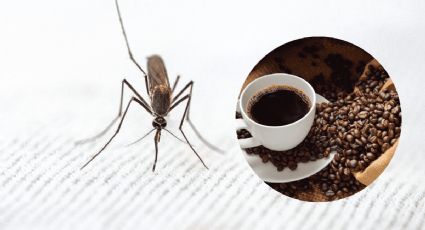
(278, 138)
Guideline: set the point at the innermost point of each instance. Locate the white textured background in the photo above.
(61, 63)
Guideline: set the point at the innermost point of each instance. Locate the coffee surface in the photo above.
(278, 105)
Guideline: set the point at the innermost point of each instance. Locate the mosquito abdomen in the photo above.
(161, 100)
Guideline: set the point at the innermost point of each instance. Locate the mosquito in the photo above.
(161, 98)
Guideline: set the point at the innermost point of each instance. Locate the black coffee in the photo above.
(278, 105)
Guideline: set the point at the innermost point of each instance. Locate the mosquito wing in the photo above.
(159, 85)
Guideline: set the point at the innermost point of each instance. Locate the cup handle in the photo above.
(245, 142)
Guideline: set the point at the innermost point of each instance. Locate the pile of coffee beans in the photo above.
(327, 184)
(367, 123)
(315, 146)
(359, 126)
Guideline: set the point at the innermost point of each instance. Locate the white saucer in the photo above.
(268, 172)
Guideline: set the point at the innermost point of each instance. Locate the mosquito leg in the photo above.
(190, 87)
(126, 83)
(117, 130)
(107, 128)
(156, 138)
(129, 49)
(187, 97)
(190, 84)
(175, 83)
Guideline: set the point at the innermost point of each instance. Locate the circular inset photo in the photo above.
(318, 119)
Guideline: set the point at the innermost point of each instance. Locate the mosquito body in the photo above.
(160, 103)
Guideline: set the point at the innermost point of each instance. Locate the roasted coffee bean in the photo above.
(265, 158)
(349, 138)
(325, 187)
(395, 110)
(363, 114)
(356, 133)
(330, 193)
(334, 187)
(359, 142)
(370, 156)
(386, 115)
(279, 167)
(393, 141)
(386, 139)
(353, 164)
(347, 171)
(385, 146)
(387, 107)
(373, 139)
(292, 165)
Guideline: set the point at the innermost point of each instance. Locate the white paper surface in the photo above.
(61, 65)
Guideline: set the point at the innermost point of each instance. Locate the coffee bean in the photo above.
(387, 107)
(353, 164)
(332, 129)
(325, 187)
(386, 139)
(397, 130)
(280, 167)
(385, 146)
(370, 156)
(330, 193)
(363, 114)
(334, 187)
(292, 165)
(356, 133)
(349, 138)
(347, 171)
(391, 134)
(386, 115)
(395, 110)
(363, 140)
(359, 142)
(265, 158)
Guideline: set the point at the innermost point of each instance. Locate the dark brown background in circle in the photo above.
(316, 59)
